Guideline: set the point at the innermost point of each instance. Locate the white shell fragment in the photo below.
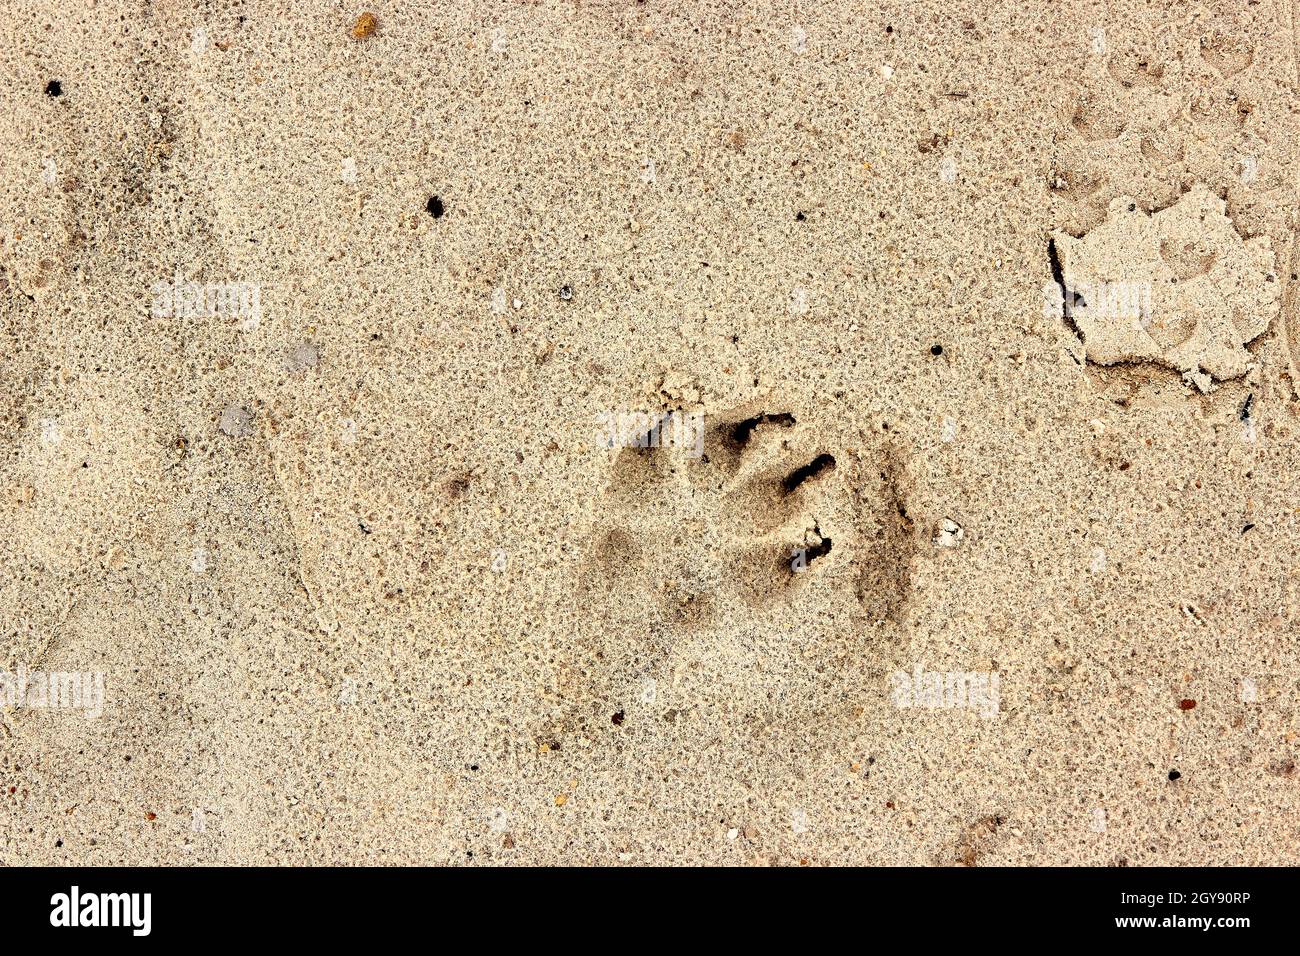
(950, 534)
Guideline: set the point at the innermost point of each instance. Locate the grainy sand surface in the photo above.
(315, 329)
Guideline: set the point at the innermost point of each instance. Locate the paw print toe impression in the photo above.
(746, 518)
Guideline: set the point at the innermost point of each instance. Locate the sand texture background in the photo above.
(365, 587)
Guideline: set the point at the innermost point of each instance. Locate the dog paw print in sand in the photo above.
(1178, 288)
(749, 517)
(732, 519)
(709, 548)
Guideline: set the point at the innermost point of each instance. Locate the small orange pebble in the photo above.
(151, 816)
(1186, 703)
(561, 799)
(365, 26)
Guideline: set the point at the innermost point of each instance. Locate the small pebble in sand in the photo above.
(348, 691)
(799, 301)
(348, 431)
(301, 357)
(950, 534)
(1174, 774)
(1186, 704)
(566, 292)
(236, 421)
(365, 26)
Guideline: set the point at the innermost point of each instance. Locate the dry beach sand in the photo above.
(317, 328)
